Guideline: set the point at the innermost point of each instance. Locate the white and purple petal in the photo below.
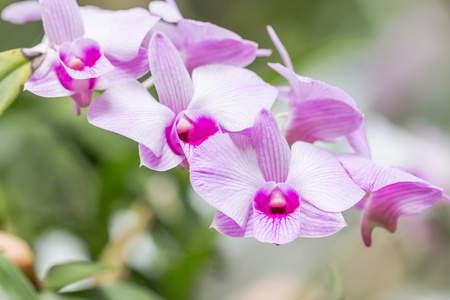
(119, 33)
(386, 205)
(233, 52)
(318, 223)
(225, 173)
(321, 120)
(232, 95)
(165, 161)
(128, 109)
(273, 151)
(370, 176)
(166, 10)
(62, 20)
(320, 179)
(172, 81)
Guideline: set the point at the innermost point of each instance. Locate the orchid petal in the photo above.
(82, 98)
(166, 10)
(48, 86)
(171, 31)
(120, 33)
(323, 120)
(88, 57)
(320, 179)
(291, 76)
(225, 173)
(281, 49)
(133, 69)
(263, 52)
(370, 176)
(196, 31)
(358, 141)
(172, 80)
(318, 223)
(231, 52)
(22, 12)
(128, 109)
(273, 151)
(232, 95)
(276, 228)
(387, 204)
(165, 161)
(62, 20)
(225, 225)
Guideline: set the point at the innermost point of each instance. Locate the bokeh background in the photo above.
(75, 192)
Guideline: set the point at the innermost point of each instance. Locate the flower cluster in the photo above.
(213, 116)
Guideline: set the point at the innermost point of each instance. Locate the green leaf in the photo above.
(129, 291)
(15, 70)
(13, 284)
(61, 275)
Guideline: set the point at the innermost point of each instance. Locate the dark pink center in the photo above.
(277, 202)
(196, 132)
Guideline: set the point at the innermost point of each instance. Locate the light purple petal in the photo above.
(232, 95)
(283, 53)
(127, 108)
(82, 98)
(133, 69)
(321, 120)
(170, 30)
(358, 141)
(276, 228)
(318, 223)
(48, 86)
(165, 161)
(273, 151)
(196, 31)
(225, 225)
(172, 80)
(166, 10)
(230, 52)
(320, 179)
(225, 173)
(307, 89)
(387, 204)
(294, 92)
(22, 12)
(84, 59)
(370, 176)
(62, 20)
(120, 33)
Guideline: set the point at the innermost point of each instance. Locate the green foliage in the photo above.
(13, 284)
(15, 69)
(62, 275)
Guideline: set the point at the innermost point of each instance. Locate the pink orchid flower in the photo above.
(86, 49)
(203, 43)
(263, 189)
(390, 194)
(318, 111)
(189, 111)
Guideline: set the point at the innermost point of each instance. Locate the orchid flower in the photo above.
(390, 194)
(86, 50)
(189, 111)
(318, 111)
(203, 43)
(263, 189)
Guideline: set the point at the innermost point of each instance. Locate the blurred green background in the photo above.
(75, 192)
